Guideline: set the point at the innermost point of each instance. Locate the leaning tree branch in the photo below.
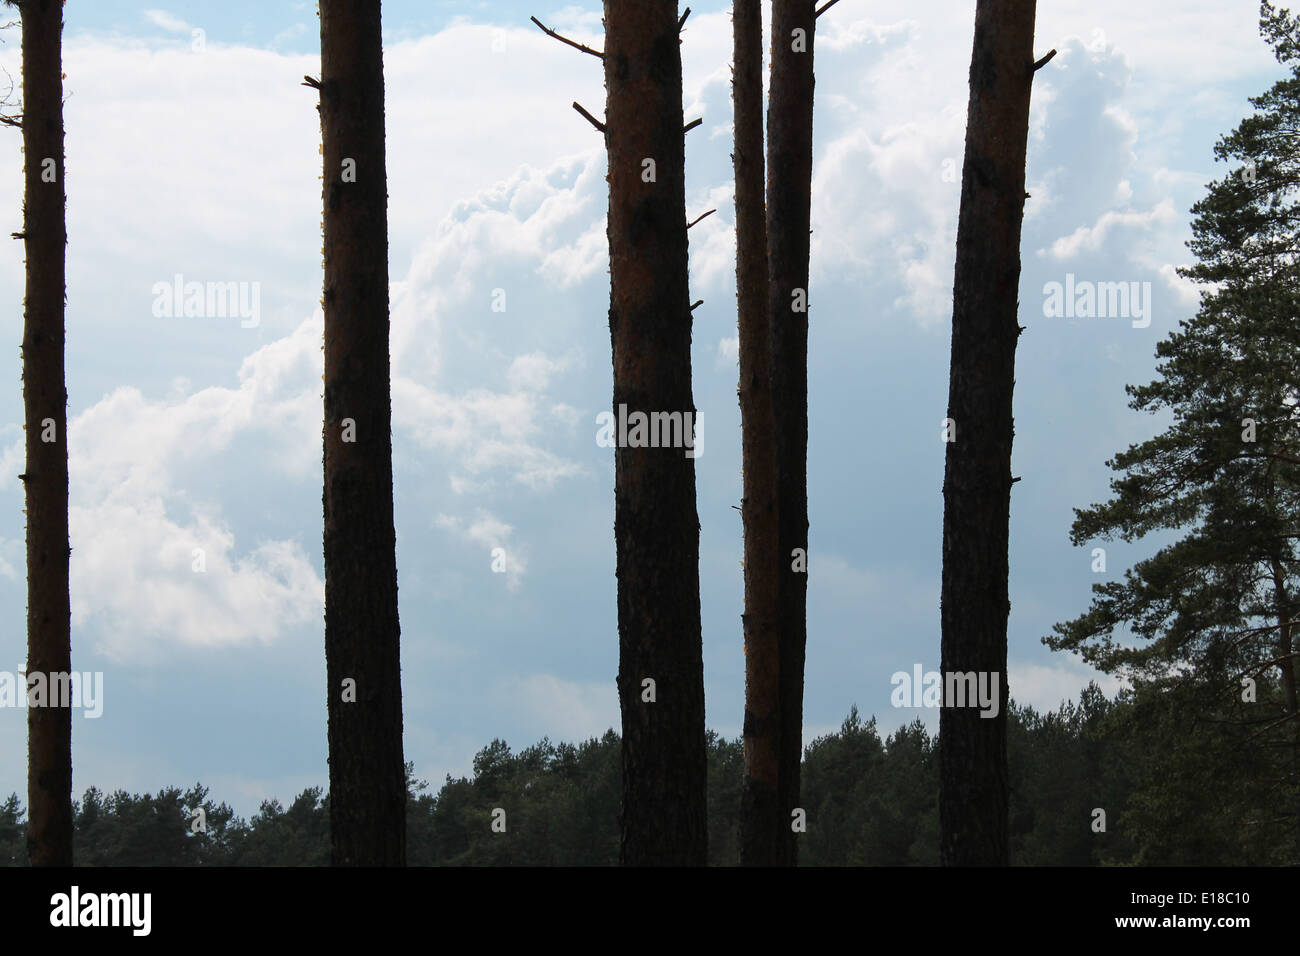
(683, 19)
(825, 6)
(699, 120)
(1041, 63)
(310, 81)
(573, 43)
(590, 119)
(701, 216)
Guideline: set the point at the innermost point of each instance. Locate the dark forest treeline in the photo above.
(1147, 758)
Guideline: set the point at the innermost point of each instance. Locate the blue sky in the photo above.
(201, 433)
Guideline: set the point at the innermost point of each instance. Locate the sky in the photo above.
(196, 154)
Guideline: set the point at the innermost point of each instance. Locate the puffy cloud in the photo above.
(495, 537)
(155, 565)
(487, 431)
(1092, 238)
(534, 371)
(136, 575)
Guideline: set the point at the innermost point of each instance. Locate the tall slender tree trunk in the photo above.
(362, 633)
(45, 400)
(656, 528)
(1286, 664)
(977, 473)
(763, 820)
(789, 201)
(1286, 659)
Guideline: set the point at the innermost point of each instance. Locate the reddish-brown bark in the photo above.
(45, 401)
(977, 473)
(763, 821)
(789, 203)
(656, 527)
(362, 631)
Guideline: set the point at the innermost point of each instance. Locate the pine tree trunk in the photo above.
(763, 823)
(789, 200)
(656, 527)
(362, 633)
(45, 400)
(977, 474)
(1286, 663)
